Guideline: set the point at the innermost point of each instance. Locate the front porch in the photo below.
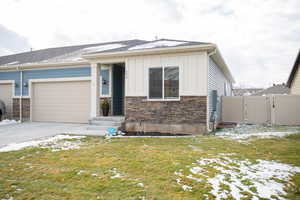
(107, 83)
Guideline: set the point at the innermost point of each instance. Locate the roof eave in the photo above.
(219, 59)
(294, 70)
(37, 65)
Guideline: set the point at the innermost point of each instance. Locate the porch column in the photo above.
(95, 90)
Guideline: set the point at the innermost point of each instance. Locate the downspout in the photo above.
(21, 95)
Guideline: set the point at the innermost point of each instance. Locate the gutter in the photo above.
(38, 65)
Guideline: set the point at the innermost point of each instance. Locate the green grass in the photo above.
(36, 173)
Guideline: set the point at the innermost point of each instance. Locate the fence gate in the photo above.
(274, 109)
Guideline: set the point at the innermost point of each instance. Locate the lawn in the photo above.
(202, 167)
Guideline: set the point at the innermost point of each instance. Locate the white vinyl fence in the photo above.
(274, 109)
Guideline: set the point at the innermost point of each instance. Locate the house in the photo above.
(294, 79)
(158, 86)
(245, 91)
(275, 89)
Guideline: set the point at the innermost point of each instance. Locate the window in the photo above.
(164, 83)
(105, 85)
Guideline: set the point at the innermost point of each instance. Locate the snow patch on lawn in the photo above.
(115, 173)
(53, 143)
(245, 132)
(8, 122)
(162, 43)
(183, 186)
(232, 178)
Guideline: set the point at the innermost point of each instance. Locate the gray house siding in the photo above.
(217, 81)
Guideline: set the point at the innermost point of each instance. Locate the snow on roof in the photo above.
(102, 48)
(12, 63)
(156, 44)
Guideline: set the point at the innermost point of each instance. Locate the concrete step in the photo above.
(105, 123)
(109, 118)
(100, 128)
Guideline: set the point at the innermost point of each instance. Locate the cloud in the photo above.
(259, 39)
(11, 42)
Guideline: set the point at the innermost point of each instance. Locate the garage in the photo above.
(61, 101)
(6, 93)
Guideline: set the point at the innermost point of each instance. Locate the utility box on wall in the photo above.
(214, 100)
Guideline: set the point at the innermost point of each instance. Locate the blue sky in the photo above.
(259, 39)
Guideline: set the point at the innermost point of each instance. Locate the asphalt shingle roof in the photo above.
(73, 53)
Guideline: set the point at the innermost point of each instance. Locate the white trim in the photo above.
(163, 84)
(13, 85)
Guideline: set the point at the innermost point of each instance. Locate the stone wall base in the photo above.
(165, 128)
(25, 109)
(186, 116)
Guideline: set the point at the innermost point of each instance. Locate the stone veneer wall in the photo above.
(25, 108)
(110, 107)
(187, 116)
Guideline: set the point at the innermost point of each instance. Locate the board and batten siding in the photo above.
(295, 87)
(192, 72)
(217, 81)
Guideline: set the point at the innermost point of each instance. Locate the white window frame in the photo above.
(163, 84)
(110, 81)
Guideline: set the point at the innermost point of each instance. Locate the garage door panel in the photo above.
(6, 93)
(61, 102)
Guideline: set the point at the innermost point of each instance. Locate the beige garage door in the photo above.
(61, 101)
(6, 93)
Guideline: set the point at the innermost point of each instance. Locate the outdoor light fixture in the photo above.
(104, 82)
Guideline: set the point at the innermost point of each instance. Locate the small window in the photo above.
(155, 83)
(164, 83)
(171, 82)
(105, 85)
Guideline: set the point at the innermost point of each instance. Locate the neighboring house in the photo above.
(294, 79)
(275, 89)
(245, 91)
(159, 86)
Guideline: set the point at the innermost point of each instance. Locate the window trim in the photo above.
(110, 82)
(163, 84)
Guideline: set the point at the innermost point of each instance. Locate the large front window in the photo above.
(164, 83)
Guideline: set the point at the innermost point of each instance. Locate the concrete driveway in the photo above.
(16, 133)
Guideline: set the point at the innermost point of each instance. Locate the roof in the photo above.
(44, 55)
(245, 91)
(82, 54)
(275, 89)
(74, 53)
(294, 70)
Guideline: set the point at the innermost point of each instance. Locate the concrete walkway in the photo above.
(16, 133)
